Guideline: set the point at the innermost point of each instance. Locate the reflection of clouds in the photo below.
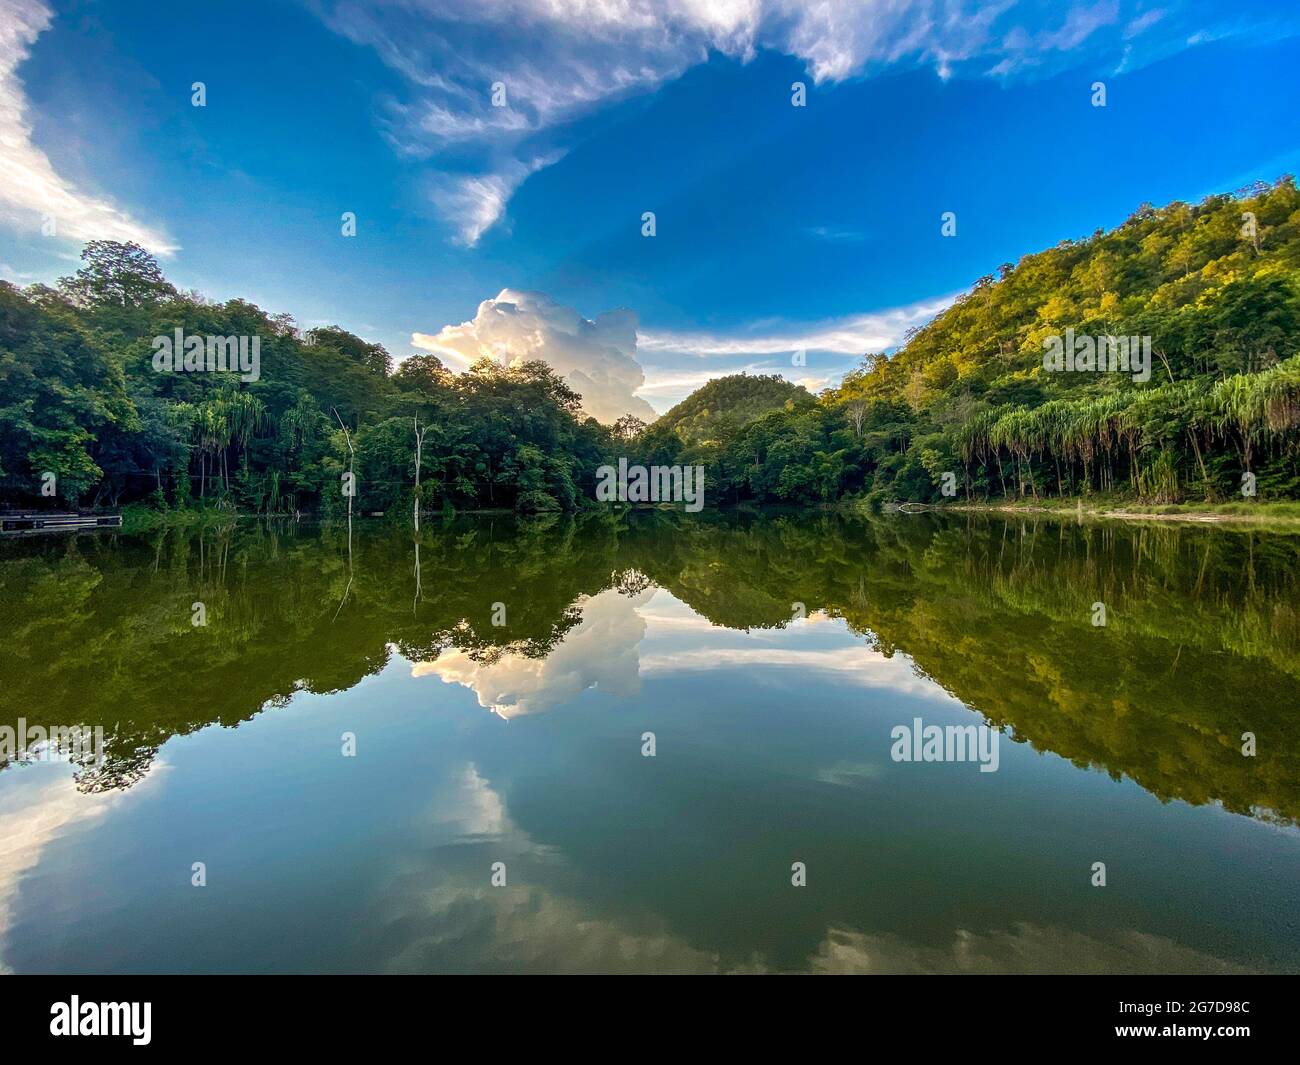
(37, 807)
(440, 914)
(1025, 948)
(440, 917)
(660, 620)
(600, 652)
(854, 665)
(457, 926)
(468, 802)
(850, 774)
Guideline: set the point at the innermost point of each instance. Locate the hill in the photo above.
(1158, 361)
(718, 410)
(1181, 382)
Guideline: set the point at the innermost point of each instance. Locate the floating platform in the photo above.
(27, 522)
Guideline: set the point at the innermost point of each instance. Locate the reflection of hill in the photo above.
(1202, 641)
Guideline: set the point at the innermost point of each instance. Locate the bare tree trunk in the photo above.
(419, 451)
(1196, 447)
(352, 488)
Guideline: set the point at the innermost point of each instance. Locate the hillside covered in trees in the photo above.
(722, 407)
(1214, 288)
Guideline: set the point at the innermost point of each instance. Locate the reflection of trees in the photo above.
(1202, 641)
(98, 631)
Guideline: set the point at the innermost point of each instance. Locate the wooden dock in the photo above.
(29, 522)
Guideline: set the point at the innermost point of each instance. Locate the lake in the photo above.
(655, 742)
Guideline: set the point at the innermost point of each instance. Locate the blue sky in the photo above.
(777, 228)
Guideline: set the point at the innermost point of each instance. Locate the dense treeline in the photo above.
(80, 398)
(1216, 288)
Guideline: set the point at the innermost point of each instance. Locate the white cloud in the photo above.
(1143, 23)
(560, 60)
(675, 386)
(30, 189)
(474, 203)
(596, 357)
(620, 369)
(852, 335)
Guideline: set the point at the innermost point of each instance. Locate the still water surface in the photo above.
(521, 743)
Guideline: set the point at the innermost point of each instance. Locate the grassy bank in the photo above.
(1282, 513)
(140, 517)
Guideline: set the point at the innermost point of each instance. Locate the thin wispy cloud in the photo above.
(852, 335)
(32, 193)
(559, 62)
(670, 357)
(477, 201)
(830, 233)
(670, 385)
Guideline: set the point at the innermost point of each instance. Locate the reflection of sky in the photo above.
(39, 804)
(680, 641)
(622, 639)
(600, 652)
(772, 747)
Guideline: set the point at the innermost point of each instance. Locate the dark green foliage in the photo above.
(968, 394)
(80, 398)
(716, 411)
(1216, 286)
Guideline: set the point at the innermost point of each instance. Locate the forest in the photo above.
(80, 398)
(965, 408)
(1216, 288)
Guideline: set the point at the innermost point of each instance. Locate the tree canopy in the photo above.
(966, 406)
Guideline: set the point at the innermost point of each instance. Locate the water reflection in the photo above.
(1202, 641)
(599, 652)
(770, 655)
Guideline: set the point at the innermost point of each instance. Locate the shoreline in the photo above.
(1197, 516)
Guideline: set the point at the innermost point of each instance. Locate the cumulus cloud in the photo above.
(30, 188)
(599, 653)
(596, 357)
(559, 61)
